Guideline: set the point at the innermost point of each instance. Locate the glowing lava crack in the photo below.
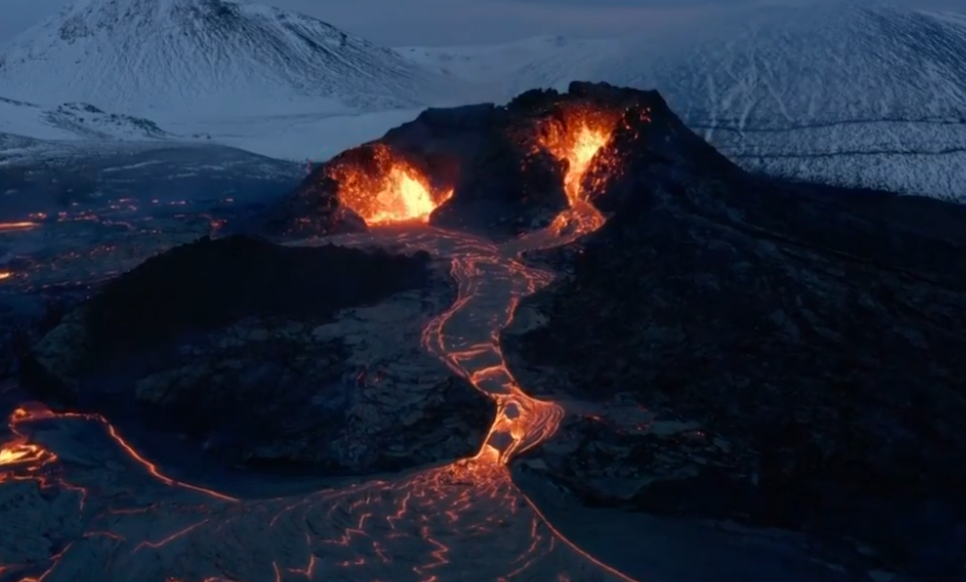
(462, 521)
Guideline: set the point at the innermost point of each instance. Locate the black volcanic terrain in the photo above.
(806, 357)
(493, 320)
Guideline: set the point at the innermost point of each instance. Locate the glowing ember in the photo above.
(391, 190)
(433, 506)
(21, 225)
(20, 452)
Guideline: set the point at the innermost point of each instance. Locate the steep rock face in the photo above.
(209, 57)
(272, 356)
(756, 351)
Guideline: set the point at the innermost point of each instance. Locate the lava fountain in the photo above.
(385, 188)
(578, 139)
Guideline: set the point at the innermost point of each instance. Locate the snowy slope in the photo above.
(157, 58)
(31, 133)
(870, 97)
(508, 68)
(73, 121)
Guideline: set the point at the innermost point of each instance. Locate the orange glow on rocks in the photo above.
(388, 189)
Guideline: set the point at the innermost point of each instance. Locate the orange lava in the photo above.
(21, 459)
(578, 139)
(389, 189)
(20, 451)
(20, 225)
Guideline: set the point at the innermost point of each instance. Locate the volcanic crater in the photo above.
(494, 170)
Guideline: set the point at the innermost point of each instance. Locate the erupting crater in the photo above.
(495, 171)
(382, 187)
(577, 137)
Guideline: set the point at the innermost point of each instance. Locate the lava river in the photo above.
(104, 522)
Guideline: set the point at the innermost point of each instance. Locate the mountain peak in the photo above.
(204, 57)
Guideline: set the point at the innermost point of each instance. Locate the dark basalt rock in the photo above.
(312, 210)
(212, 283)
(794, 360)
(271, 356)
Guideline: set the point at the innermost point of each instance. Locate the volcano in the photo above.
(571, 297)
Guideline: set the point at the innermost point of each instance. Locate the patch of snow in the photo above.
(296, 137)
(71, 121)
(64, 132)
(25, 119)
(499, 63)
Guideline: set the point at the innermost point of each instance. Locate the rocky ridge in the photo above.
(261, 364)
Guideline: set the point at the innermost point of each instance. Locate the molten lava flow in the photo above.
(386, 189)
(20, 459)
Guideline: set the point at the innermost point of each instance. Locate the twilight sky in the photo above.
(435, 22)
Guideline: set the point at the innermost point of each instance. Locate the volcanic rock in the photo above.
(272, 356)
(755, 351)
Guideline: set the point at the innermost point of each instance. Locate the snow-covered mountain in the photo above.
(208, 57)
(872, 97)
